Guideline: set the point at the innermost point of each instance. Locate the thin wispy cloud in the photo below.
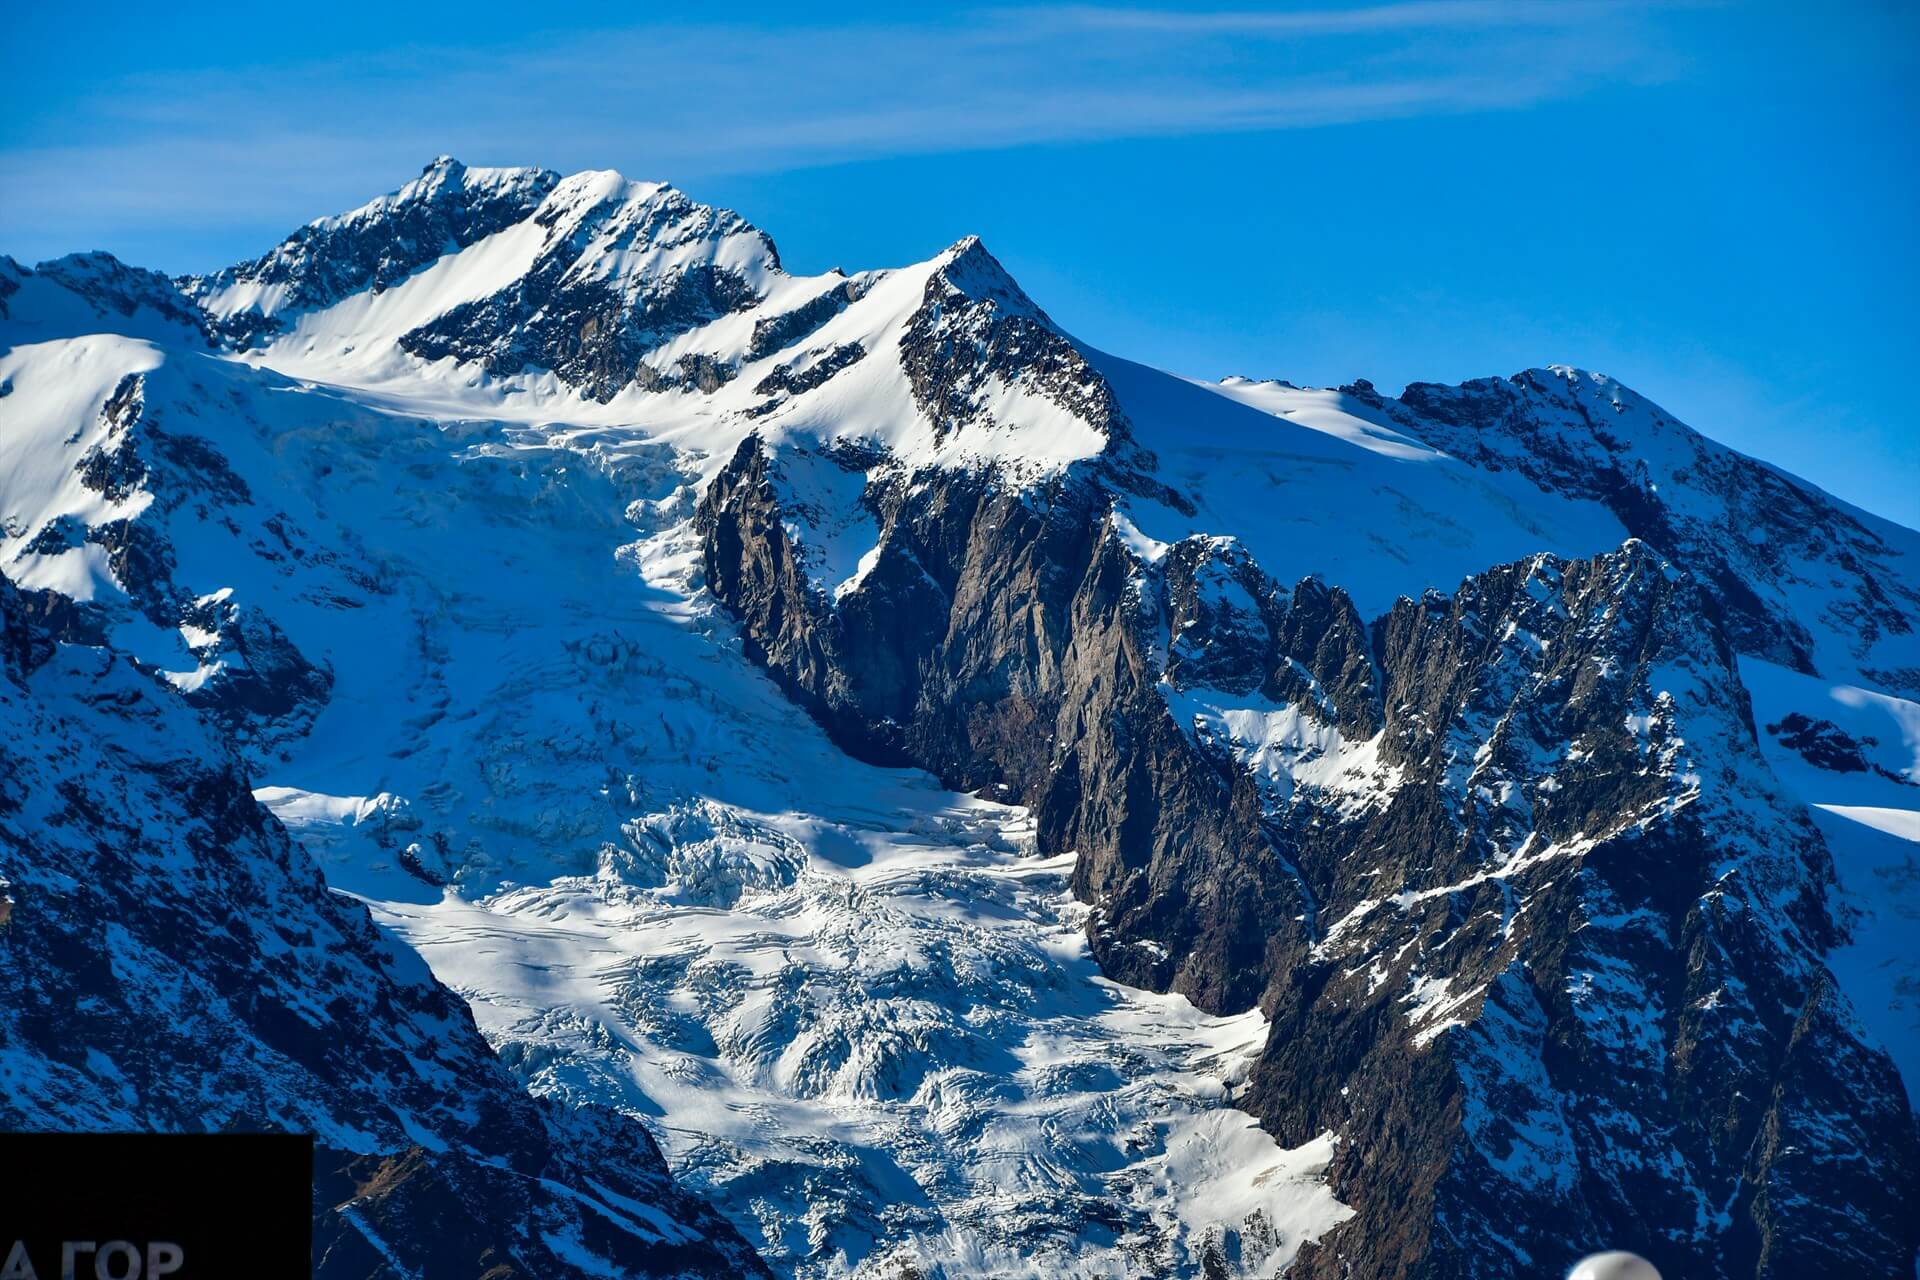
(685, 101)
(1427, 15)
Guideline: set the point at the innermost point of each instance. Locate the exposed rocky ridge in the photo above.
(1825, 745)
(1586, 862)
(976, 328)
(586, 331)
(1557, 743)
(173, 962)
(111, 286)
(251, 677)
(810, 371)
(97, 292)
(618, 286)
(620, 267)
(771, 333)
(448, 207)
(1753, 533)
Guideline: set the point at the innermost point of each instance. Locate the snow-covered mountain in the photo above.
(175, 963)
(811, 719)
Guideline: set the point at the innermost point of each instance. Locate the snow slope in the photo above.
(1311, 482)
(1853, 756)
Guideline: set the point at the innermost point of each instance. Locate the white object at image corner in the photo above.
(1616, 1265)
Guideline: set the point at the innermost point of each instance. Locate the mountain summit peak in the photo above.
(969, 268)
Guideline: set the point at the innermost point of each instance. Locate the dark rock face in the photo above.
(1758, 535)
(772, 333)
(61, 534)
(1540, 942)
(451, 1214)
(11, 274)
(1628, 949)
(593, 330)
(689, 373)
(812, 371)
(1825, 745)
(587, 332)
(263, 682)
(975, 327)
(447, 207)
(260, 687)
(173, 962)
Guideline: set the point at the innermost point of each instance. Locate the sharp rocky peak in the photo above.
(968, 270)
(446, 180)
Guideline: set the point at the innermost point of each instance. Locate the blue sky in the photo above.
(1718, 203)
